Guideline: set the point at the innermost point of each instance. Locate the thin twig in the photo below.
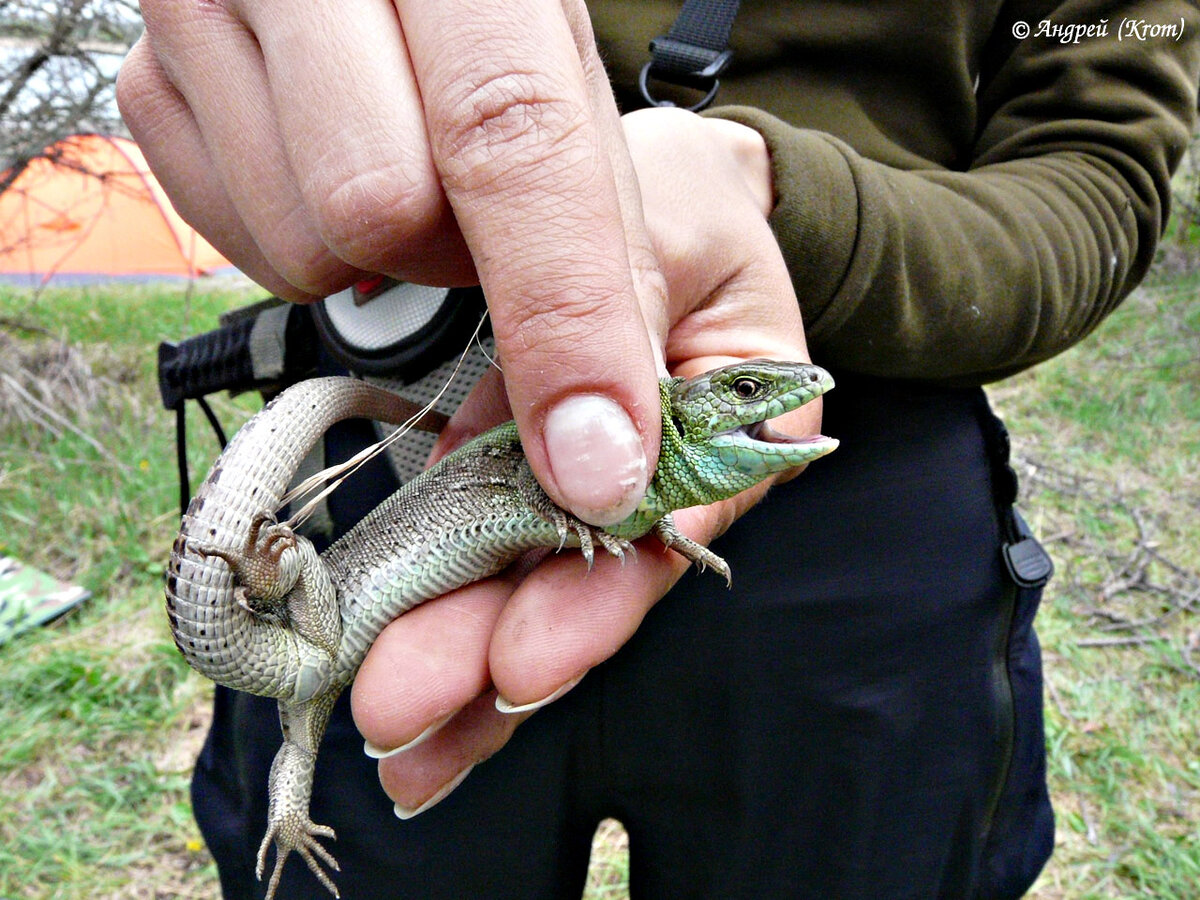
(1120, 641)
(14, 324)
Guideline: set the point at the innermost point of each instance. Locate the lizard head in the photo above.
(725, 415)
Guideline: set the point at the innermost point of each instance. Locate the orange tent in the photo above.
(92, 210)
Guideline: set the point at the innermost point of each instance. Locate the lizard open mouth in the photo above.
(762, 432)
(779, 446)
(758, 449)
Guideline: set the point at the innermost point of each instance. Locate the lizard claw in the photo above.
(302, 839)
(618, 547)
(262, 571)
(588, 537)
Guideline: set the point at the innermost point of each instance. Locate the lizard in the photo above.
(254, 607)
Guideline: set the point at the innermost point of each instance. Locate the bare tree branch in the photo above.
(58, 68)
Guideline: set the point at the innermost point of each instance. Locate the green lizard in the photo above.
(254, 607)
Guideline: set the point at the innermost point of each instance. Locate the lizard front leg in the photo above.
(290, 791)
(567, 526)
(666, 531)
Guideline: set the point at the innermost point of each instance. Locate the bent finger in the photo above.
(169, 137)
(420, 778)
(216, 65)
(563, 620)
(349, 112)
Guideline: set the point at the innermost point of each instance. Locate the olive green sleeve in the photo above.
(973, 274)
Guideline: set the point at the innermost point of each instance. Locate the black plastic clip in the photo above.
(1028, 563)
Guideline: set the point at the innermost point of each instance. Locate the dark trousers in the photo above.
(860, 717)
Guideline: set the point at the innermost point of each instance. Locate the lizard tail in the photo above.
(217, 623)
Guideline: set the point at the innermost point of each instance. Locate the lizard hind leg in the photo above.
(264, 568)
(305, 843)
(279, 576)
(289, 826)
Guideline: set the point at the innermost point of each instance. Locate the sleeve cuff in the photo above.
(816, 215)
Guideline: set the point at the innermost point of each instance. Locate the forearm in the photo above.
(970, 273)
(957, 276)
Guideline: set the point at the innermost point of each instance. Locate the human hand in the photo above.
(438, 143)
(432, 680)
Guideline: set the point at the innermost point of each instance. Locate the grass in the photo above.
(1107, 437)
(100, 719)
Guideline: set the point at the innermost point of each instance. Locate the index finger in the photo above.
(523, 156)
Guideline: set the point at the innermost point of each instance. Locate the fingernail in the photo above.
(597, 458)
(379, 753)
(403, 812)
(505, 706)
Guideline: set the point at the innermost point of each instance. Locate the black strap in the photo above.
(225, 359)
(694, 52)
(185, 486)
(1028, 563)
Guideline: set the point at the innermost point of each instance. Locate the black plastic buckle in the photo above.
(704, 79)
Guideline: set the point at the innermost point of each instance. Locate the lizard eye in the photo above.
(746, 388)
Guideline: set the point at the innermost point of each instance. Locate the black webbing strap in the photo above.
(694, 52)
(185, 485)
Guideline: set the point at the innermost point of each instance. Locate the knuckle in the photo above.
(365, 218)
(317, 274)
(515, 121)
(134, 79)
(150, 104)
(558, 326)
(302, 259)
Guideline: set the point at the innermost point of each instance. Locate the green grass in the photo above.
(99, 717)
(100, 720)
(1107, 436)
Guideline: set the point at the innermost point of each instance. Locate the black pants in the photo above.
(860, 717)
